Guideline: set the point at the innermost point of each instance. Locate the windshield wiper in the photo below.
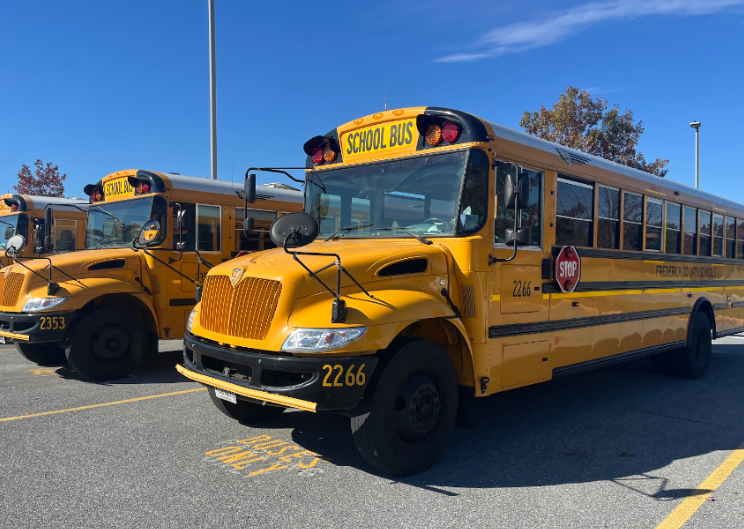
(8, 223)
(346, 230)
(103, 210)
(409, 232)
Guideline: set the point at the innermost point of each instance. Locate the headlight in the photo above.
(190, 320)
(37, 304)
(318, 340)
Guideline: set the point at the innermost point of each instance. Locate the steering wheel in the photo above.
(434, 220)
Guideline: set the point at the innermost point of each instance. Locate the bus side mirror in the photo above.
(15, 245)
(523, 237)
(9, 232)
(183, 219)
(517, 193)
(149, 234)
(48, 218)
(249, 188)
(48, 243)
(248, 225)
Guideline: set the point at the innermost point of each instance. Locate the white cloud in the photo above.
(559, 25)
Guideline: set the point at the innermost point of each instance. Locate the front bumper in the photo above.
(322, 383)
(35, 328)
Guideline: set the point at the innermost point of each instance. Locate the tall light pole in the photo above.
(696, 125)
(212, 91)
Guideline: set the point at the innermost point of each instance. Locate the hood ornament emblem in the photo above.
(235, 276)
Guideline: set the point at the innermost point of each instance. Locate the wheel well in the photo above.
(129, 302)
(702, 306)
(449, 338)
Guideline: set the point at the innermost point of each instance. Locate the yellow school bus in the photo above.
(104, 308)
(443, 257)
(25, 215)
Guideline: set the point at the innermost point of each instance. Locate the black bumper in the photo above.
(333, 383)
(40, 328)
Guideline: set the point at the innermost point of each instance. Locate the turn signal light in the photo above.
(14, 207)
(450, 132)
(328, 154)
(242, 253)
(142, 188)
(97, 196)
(434, 135)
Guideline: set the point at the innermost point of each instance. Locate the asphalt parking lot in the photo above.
(617, 447)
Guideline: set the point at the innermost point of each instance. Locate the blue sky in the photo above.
(97, 87)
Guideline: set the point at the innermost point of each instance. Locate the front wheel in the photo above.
(108, 343)
(406, 417)
(244, 411)
(44, 354)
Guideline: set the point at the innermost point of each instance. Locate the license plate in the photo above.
(226, 395)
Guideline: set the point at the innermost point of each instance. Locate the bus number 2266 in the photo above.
(522, 289)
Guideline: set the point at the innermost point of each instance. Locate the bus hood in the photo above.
(366, 260)
(70, 270)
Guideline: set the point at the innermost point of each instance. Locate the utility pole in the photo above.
(696, 125)
(212, 91)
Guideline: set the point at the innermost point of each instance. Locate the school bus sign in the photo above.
(568, 269)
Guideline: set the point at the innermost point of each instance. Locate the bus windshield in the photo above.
(117, 224)
(11, 225)
(419, 194)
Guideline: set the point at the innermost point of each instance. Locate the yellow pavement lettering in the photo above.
(92, 406)
(279, 454)
(689, 506)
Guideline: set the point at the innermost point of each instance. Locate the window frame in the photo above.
(618, 220)
(642, 224)
(197, 239)
(679, 231)
(694, 232)
(531, 247)
(592, 220)
(661, 227)
(701, 234)
(722, 237)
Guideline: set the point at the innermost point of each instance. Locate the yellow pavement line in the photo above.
(687, 508)
(91, 406)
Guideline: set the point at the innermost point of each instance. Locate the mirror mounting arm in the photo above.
(338, 307)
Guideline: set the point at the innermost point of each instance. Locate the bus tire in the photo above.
(245, 412)
(108, 343)
(695, 358)
(44, 354)
(404, 422)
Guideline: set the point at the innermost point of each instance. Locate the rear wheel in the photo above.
(244, 411)
(406, 417)
(693, 360)
(108, 343)
(42, 353)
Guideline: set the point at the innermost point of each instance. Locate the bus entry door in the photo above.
(517, 309)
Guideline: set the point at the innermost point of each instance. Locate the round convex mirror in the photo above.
(15, 245)
(149, 234)
(297, 229)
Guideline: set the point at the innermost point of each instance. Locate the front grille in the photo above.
(245, 311)
(10, 288)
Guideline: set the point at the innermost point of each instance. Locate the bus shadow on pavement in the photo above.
(155, 369)
(622, 424)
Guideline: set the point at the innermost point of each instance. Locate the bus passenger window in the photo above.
(531, 215)
(705, 233)
(574, 224)
(633, 222)
(654, 223)
(740, 240)
(730, 237)
(718, 235)
(208, 228)
(690, 231)
(608, 233)
(65, 231)
(187, 235)
(673, 227)
(258, 239)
